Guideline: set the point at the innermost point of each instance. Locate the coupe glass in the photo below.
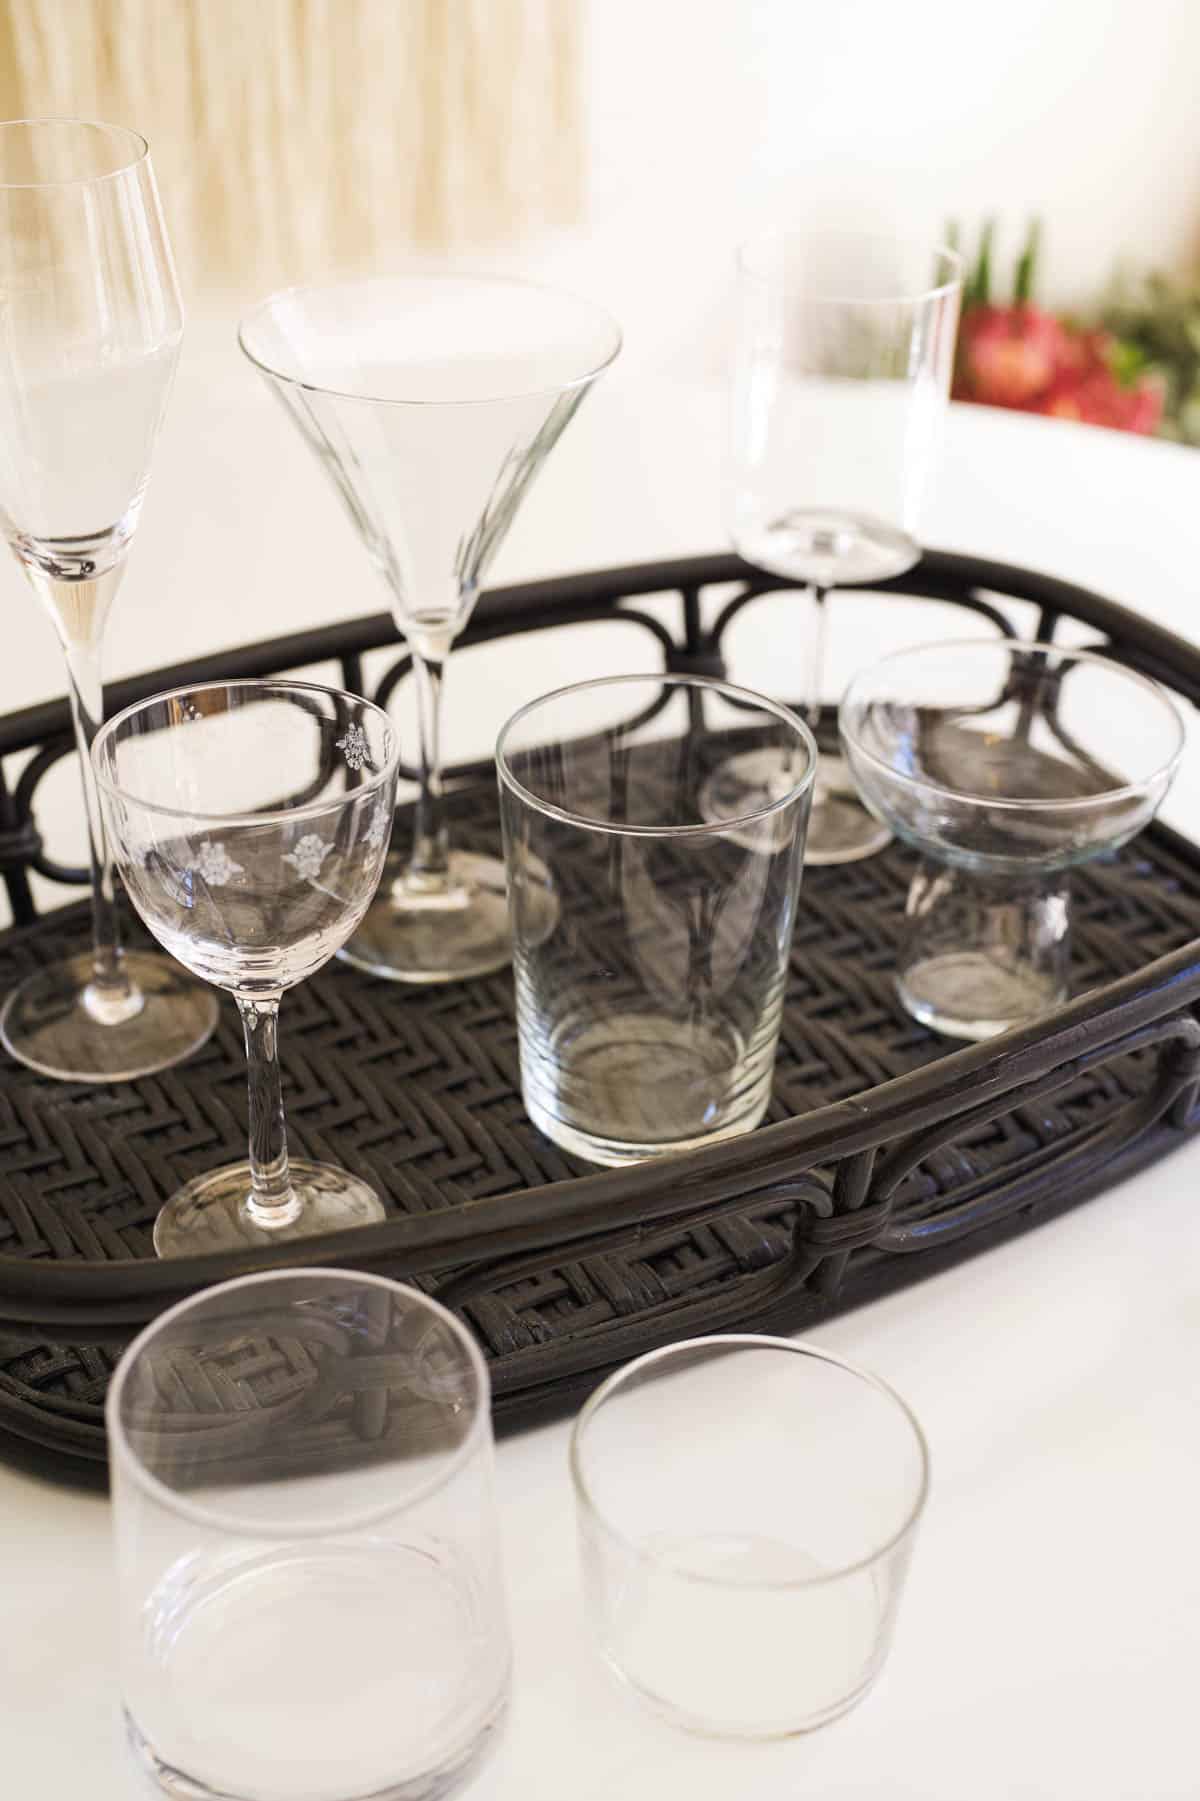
(747, 1509)
(309, 1591)
(91, 330)
(432, 402)
(1005, 764)
(844, 351)
(250, 823)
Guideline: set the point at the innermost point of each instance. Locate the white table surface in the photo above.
(1049, 1642)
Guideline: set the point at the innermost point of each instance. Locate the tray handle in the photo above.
(1171, 1096)
(806, 1197)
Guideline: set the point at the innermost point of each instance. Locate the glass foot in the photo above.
(969, 994)
(385, 1731)
(412, 934)
(209, 1214)
(828, 547)
(53, 1024)
(840, 830)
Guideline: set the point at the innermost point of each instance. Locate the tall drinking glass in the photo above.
(845, 347)
(432, 403)
(91, 329)
(650, 944)
(310, 1598)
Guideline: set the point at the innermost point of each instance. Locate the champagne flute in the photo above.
(90, 325)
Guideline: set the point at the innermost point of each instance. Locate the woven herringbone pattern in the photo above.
(417, 1090)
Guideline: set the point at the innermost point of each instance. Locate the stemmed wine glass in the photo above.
(91, 330)
(432, 402)
(250, 822)
(844, 352)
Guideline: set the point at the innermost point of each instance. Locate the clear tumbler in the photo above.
(650, 937)
(747, 1509)
(310, 1596)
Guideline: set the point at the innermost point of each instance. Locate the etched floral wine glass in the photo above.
(91, 329)
(432, 402)
(250, 824)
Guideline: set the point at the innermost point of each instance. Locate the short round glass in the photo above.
(309, 1591)
(747, 1509)
(1005, 764)
(250, 822)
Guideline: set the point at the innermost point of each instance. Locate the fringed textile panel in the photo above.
(293, 138)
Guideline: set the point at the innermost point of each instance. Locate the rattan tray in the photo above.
(885, 1156)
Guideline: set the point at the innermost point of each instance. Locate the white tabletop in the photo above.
(1050, 1636)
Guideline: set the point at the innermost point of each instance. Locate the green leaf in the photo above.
(1188, 421)
(1027, 265)
(1127, 361)
(981, 281)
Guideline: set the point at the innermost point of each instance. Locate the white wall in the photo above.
(710, 116)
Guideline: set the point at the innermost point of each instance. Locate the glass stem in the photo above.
(431, 850)
(79, 607)
(814, 662)
(273, 1201)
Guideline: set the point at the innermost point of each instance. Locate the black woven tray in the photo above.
(883, 1157)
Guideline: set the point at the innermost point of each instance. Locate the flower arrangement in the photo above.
(1018, 355)
(1159, 321)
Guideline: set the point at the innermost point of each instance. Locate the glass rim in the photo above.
(139, 153)
(273, 815)
(759, 1342)
(709, 828)
(470, 277)
(123, 1452)
(1084, 803)
(781, 235)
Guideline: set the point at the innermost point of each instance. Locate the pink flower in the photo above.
(1096, 397)
(1018, 356)
(1008, 355)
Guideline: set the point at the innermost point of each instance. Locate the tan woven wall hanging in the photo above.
(293, 137)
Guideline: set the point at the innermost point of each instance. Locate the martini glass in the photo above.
(843, 358)
(91, 328)
(432, 402)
